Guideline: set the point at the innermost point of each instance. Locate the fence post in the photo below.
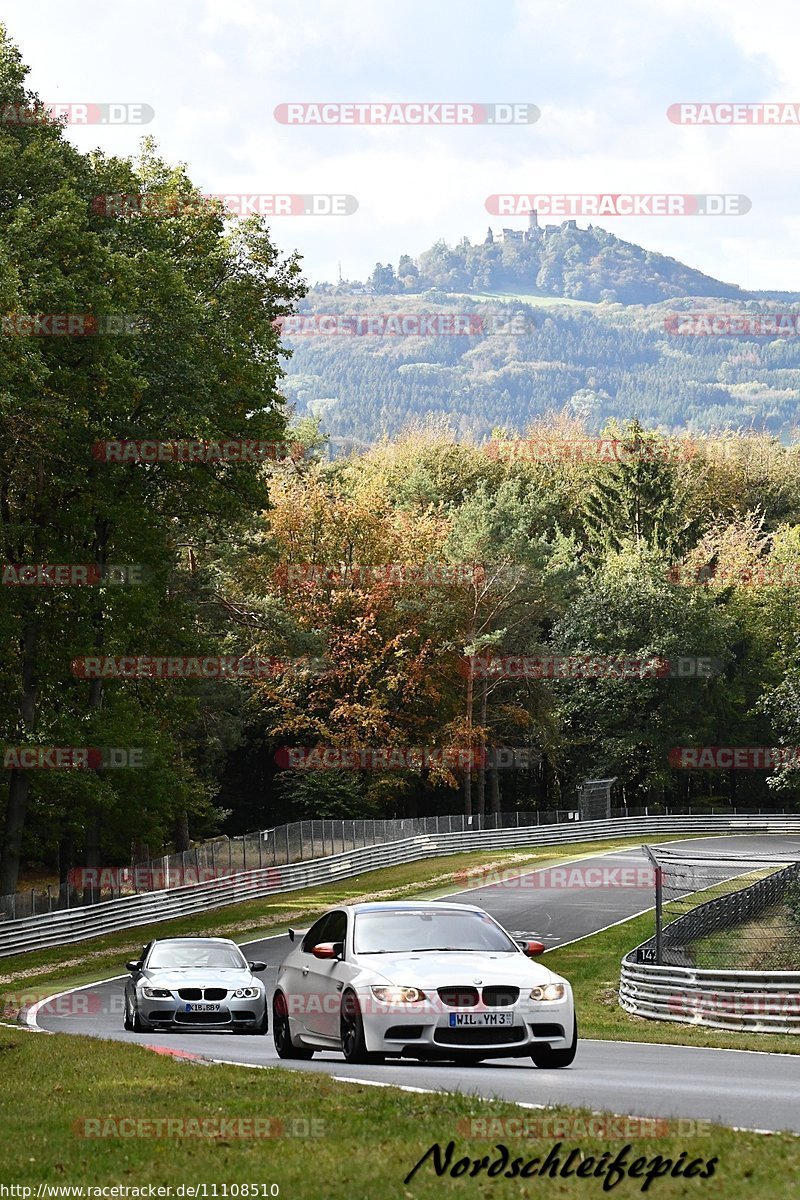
(260, 848)
(33, 902)
(659, 900)
(286, 827)
(230, 856)
(312, 838)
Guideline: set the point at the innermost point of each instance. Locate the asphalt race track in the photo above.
(738, 1088)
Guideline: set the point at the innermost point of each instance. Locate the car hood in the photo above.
(434, 969)
(186, 977)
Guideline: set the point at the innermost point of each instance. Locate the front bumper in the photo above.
(425, 1029)
(232, 1013)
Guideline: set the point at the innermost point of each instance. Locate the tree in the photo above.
(203, 363)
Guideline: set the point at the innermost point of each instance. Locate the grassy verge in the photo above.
(767, 943)
(365, 1140)
(592, 967)
(87, 961)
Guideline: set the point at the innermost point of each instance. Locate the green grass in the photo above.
(85, 962)
(767, 943)
(366, 1141)
(593, 967)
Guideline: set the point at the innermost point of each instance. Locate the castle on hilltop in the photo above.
(534, 233)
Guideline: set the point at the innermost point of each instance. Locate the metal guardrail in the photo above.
(742, 1001)
(76, 925)
(279, 846)
(754, 1001)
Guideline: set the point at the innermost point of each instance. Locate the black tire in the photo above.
(281, 1034)
(351, 1026)
(547, 1057)
(263, 1025)
(127, 1023)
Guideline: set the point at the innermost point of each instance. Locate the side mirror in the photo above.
(533, 948)
(257, 966)
(328, 950)
(132, 966)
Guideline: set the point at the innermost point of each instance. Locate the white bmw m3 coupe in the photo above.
(420, 980)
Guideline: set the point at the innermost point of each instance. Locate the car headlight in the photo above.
(398, 995)
(549, 991)
(156, 993)
(247, 993)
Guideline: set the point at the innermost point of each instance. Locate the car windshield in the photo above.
(402, 930)
(173, 955)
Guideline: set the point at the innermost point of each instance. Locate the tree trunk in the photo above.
(19, 784)
(182, 832)
(468, 772)
(494, 789)
(482, 763)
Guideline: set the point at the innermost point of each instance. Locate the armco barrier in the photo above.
(76, 925)
(754, 1001)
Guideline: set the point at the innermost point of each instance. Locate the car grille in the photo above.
(202, 993)
(469, 997)
(500, 997)
(459, 997)
(201, 1018)
(479, 1037)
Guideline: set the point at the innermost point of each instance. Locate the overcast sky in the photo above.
(603, 77)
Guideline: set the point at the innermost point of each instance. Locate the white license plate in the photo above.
(484, 1019)
(202, 1008)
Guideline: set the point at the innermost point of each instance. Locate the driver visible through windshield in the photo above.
(421, 930)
